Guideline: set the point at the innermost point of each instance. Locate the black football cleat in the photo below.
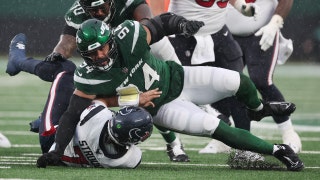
(177, 154)
(288, 157)
(16, 54)
(272, 109)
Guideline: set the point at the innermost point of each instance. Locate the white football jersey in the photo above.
(212, 13)
(84, 149)
(241, 25)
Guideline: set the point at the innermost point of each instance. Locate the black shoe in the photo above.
(16, 54)
(272, 109)
(177, 154)
(287, 156)
(34, 125)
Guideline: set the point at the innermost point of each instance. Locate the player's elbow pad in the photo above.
(163, 25)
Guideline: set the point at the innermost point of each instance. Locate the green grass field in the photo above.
(23, 97)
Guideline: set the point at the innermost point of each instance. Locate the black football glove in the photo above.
(49, 159)
(189, 28)
(54, 57)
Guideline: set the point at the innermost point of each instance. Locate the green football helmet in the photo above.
(91, 6)
(92, 35)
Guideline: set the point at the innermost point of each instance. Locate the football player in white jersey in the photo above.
(107, 139)
(213, 45)
(263, 48)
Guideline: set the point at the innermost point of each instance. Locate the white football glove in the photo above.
(269, 31)
(247, 9)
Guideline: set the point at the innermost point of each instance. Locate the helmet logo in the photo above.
(79, 40)
(134, 135)
(104, 27)
(97, 3)
(94, 46)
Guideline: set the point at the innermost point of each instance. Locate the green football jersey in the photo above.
(134, 65)
(123, 10)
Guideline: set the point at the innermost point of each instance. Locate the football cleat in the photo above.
(272, 108)
(287, 156)
(292, 139)
(177, 154)
(215, 146)
(4, 141)
(16, 54)
(34, 125)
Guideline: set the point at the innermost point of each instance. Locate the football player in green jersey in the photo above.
(58, 70)
(118, 65)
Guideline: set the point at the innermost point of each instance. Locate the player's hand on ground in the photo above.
(54, 57)
(48, 159)
(145, 99)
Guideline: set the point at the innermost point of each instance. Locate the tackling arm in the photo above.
(168, 24)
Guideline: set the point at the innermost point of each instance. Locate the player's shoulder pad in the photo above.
(76, 15)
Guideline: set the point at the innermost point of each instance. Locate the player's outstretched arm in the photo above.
(168, 24)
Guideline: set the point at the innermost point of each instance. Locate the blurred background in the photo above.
(42, 22)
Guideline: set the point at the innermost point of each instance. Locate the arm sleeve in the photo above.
(69, 121)
(69, 30)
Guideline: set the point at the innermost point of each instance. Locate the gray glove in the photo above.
(189, 28)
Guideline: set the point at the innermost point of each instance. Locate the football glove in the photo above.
(54, 56)
(189, 28)
(269, 31)
(51, 159)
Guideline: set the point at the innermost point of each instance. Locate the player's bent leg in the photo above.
(17, 57)
(57, 103)
(186, 117)
(49, 70)
(244, 140)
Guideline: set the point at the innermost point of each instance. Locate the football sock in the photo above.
(241, 139)
(285, 126)
(247, 93)
(168, 136)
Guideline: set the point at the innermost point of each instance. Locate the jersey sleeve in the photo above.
(76, 15)
(131, 39)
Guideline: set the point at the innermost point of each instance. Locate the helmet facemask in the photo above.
(99, 63)
(91, 6)
(93, 36)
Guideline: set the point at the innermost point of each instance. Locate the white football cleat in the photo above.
(292, 139)
(4, 141)
(215, 146)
